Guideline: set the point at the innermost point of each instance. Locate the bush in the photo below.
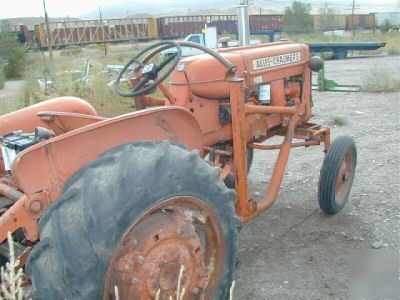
(104, 98)
(378, 80)
(392, 43)
(14, 54)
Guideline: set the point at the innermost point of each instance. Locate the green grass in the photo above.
(338, 121)
(97, 92)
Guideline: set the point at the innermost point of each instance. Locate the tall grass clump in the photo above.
(2, 78)
(29, 93)
(104, 98)
(378, 80)
(338, 121)
(11, 276)
(392, 43)
(67, 80)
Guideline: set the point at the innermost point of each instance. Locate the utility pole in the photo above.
(352, 18)
(100, 14)
(49, 35)
(102, 31)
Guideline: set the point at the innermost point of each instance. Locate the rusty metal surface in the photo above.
(344, 178)
(27, 118)
(274, 147)
(266, 22)
(55, 160)
(10, 192)
(147, 261)
(62, 122)
(17, 216)
(202, 82)
(181, 26)
(79, 32)
(279, 169)
(244, 207)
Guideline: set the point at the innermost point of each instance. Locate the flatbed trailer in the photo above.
(340, 50)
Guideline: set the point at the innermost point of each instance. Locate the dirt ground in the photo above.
(294, 251)
(7, 95)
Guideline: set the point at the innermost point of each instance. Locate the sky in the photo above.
(55, 8)
(76, 8)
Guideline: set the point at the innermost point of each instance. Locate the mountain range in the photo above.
(198, 7)
(178, 7)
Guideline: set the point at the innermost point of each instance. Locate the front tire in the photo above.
(130, 219)
(337, 175)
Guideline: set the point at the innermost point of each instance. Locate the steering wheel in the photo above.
(150, 71)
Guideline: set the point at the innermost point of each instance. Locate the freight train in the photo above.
(127, 29)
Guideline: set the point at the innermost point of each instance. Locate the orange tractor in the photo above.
(98, 205)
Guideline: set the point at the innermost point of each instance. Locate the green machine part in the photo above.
(324, 84)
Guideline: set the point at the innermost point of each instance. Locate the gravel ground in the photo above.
(294, 251)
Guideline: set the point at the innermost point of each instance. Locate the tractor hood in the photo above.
(205, 75)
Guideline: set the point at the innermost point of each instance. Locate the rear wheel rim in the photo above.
(344, 178)
(180, 231)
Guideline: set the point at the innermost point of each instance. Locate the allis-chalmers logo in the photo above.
(272, 61)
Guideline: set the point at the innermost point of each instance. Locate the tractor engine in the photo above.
(275, 75)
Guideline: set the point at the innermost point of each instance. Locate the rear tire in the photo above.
(101, 202)
(337, 175)
(340, 53)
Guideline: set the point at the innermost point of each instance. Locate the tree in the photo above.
(12, 52)
(297, 18)
(328, 20)
(386, 25)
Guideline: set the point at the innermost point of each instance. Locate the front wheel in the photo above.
(136, 220)
(337, 175)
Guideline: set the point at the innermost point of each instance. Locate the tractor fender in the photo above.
(27, 119)
(45, 167)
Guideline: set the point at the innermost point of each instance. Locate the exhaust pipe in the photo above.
(243, 23)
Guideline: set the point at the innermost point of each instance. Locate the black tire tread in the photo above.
(78, 235)
(329, 173)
